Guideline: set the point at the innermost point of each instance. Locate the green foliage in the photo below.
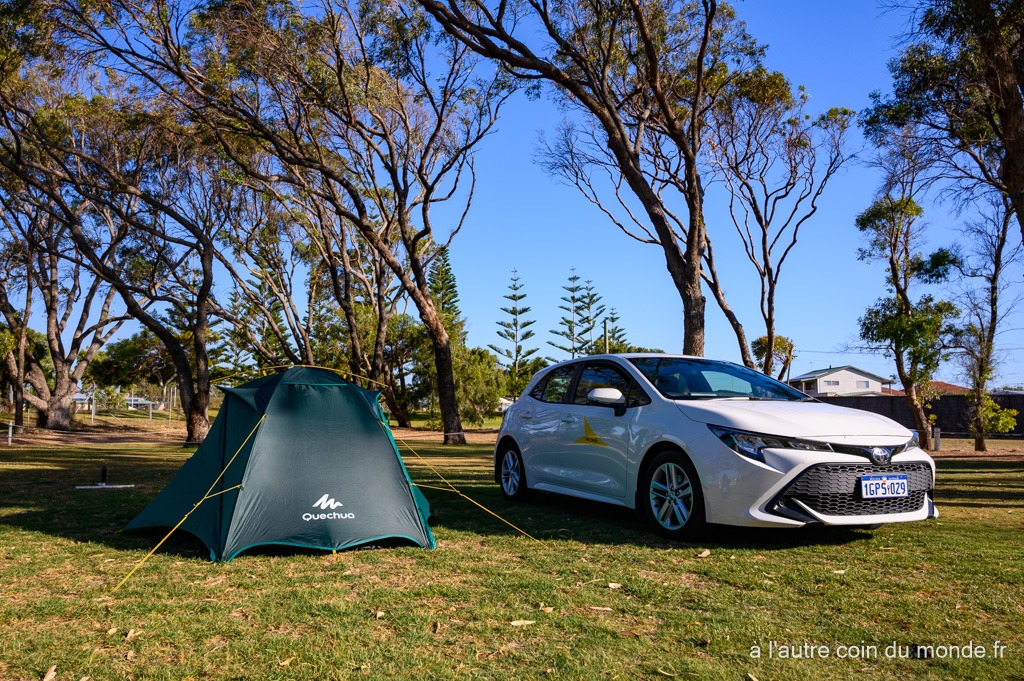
(783, 352)
(887, 225)
(994, 418)
(920, 334)
(260, 339)
(7, 342)
(141, 358)
(479, 383)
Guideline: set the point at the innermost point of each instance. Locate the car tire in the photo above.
(512, 473)
(671, 497)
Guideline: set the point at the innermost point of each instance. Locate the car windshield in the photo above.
(687, 378)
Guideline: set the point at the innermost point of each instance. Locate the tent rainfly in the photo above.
(302, 458)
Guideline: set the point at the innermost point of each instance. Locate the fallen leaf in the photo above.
(523, 623)
(665, 673)
(130, 635)
(52, 674)
(704, 554)
(380, 614)
(751, 677)
(601, 608)
(839, 572)
(614, 585)
(111, 631)
(547, 608)
(286, 663)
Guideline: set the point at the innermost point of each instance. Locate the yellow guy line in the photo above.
(452, 488)
(206, 496)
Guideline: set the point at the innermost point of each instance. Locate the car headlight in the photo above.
(751, 445)
(915, 441)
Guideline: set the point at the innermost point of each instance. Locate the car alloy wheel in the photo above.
(675, 506)
(513, 477)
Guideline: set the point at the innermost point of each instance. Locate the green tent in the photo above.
(303, 458)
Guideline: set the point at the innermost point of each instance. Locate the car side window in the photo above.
(555, 385)
(606, 376)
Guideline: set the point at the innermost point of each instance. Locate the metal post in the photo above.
(92, 418)
(937, 438)
(10, 432)
(150, 411)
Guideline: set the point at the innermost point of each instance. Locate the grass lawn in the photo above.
(594, 595)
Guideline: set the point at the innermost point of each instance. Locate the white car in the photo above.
(689, 441)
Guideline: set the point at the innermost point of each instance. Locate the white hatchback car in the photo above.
(689, 441)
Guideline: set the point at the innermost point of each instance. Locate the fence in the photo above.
(950, 411)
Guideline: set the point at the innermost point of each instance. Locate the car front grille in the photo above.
(834, 489)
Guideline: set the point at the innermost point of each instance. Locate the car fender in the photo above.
(654, 447)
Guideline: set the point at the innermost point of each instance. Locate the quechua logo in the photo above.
(328, 503)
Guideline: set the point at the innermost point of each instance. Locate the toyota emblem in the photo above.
(881, 456)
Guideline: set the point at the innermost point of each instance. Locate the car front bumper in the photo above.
(793, 489)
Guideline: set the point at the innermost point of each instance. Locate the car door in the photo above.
(594, 440)
(539, 421)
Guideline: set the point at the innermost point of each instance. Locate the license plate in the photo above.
(883, 486)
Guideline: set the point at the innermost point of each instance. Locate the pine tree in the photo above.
(616, 337)
(445, 293)
(591, 311)
(516, 331)
(442, 285)
(572, 324)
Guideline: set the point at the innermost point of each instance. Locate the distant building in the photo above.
(845, 380)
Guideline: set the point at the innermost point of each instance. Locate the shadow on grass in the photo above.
(555, 517)
(37, 494)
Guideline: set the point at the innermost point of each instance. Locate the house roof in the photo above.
(818, 373)
(940, 388)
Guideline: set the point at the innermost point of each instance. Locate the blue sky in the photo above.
(522, 219)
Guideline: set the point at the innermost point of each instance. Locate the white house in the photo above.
(846, 380)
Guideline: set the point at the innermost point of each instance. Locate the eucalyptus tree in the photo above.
(916, 334)
(366, 106)
(960, 83)
(641, 79)
(122, 151)
(76, 305)
(774, 160)
(984, 269)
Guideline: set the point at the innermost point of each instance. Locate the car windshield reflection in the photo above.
(687, 378)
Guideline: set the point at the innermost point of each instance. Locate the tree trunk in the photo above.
(401, 415)
(60, 399)
(924, 426)
(447, 400)
(445, 370)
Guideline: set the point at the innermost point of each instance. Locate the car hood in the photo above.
(815, 420)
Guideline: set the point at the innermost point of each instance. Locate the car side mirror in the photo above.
(609, 397)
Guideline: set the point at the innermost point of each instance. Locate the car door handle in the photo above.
(569, 419)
